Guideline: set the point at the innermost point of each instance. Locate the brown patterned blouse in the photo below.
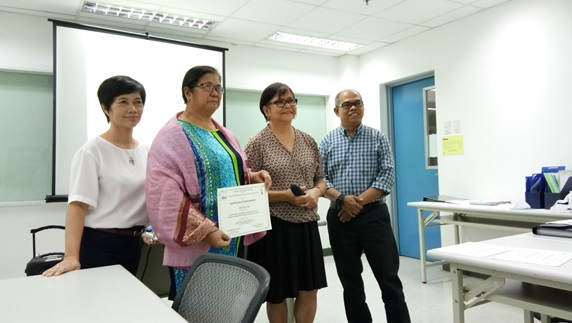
(302, 166)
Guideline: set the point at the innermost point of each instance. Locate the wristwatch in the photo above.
(340, 200)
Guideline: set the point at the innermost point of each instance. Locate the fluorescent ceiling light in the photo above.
(146, 15)
(314, 41)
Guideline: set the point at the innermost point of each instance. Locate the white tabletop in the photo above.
(105, 294)
(561, 275)
(532, 215)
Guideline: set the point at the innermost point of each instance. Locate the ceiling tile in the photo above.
(405, 34)
(359, 6)
(418, 11)
(487, 3)
(242, 30)
(382, 28)
(326, 20)
(348, 39)
(275, 12)
(451, 16)
(464, 1)
(312, 2)
(218, 7)
(65, 7)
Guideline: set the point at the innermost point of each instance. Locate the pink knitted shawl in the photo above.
(173, 195)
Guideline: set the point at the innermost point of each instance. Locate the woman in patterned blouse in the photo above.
(291, 251)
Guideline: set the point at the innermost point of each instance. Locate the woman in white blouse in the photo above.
(106, 214)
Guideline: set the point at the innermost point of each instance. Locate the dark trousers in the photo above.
(370, 233)
(100, 249)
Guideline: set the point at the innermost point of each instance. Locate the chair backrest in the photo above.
(222, 288)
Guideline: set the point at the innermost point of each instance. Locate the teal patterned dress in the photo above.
(218, 165)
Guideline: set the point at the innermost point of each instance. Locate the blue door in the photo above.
(413, 179)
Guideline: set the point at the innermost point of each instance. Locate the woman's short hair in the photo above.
(193, 76)
(116, 86)
(272, 90)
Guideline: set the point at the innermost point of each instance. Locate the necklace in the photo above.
(127, 145)
(130, 154)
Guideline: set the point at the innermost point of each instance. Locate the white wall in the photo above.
(504, 73)
(26, 43)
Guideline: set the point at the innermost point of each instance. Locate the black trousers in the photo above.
(370, 233)
(100, 249)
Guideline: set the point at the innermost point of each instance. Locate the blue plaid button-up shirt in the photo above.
(354, 164)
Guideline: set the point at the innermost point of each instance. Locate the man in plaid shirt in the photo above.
(358, 163)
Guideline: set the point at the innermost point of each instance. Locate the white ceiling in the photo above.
(375, 24)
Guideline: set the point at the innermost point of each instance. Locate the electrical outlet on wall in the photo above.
(447, 127)
(457, 126)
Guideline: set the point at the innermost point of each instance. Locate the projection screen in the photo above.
(84, 56)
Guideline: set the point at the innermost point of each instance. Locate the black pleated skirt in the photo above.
(292, 254)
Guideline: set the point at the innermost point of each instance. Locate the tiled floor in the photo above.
(428, 303)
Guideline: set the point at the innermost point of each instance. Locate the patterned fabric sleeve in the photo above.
(192, 226)
(255, 156)
(173, 209)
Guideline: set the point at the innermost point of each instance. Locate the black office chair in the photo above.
(222, 288)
